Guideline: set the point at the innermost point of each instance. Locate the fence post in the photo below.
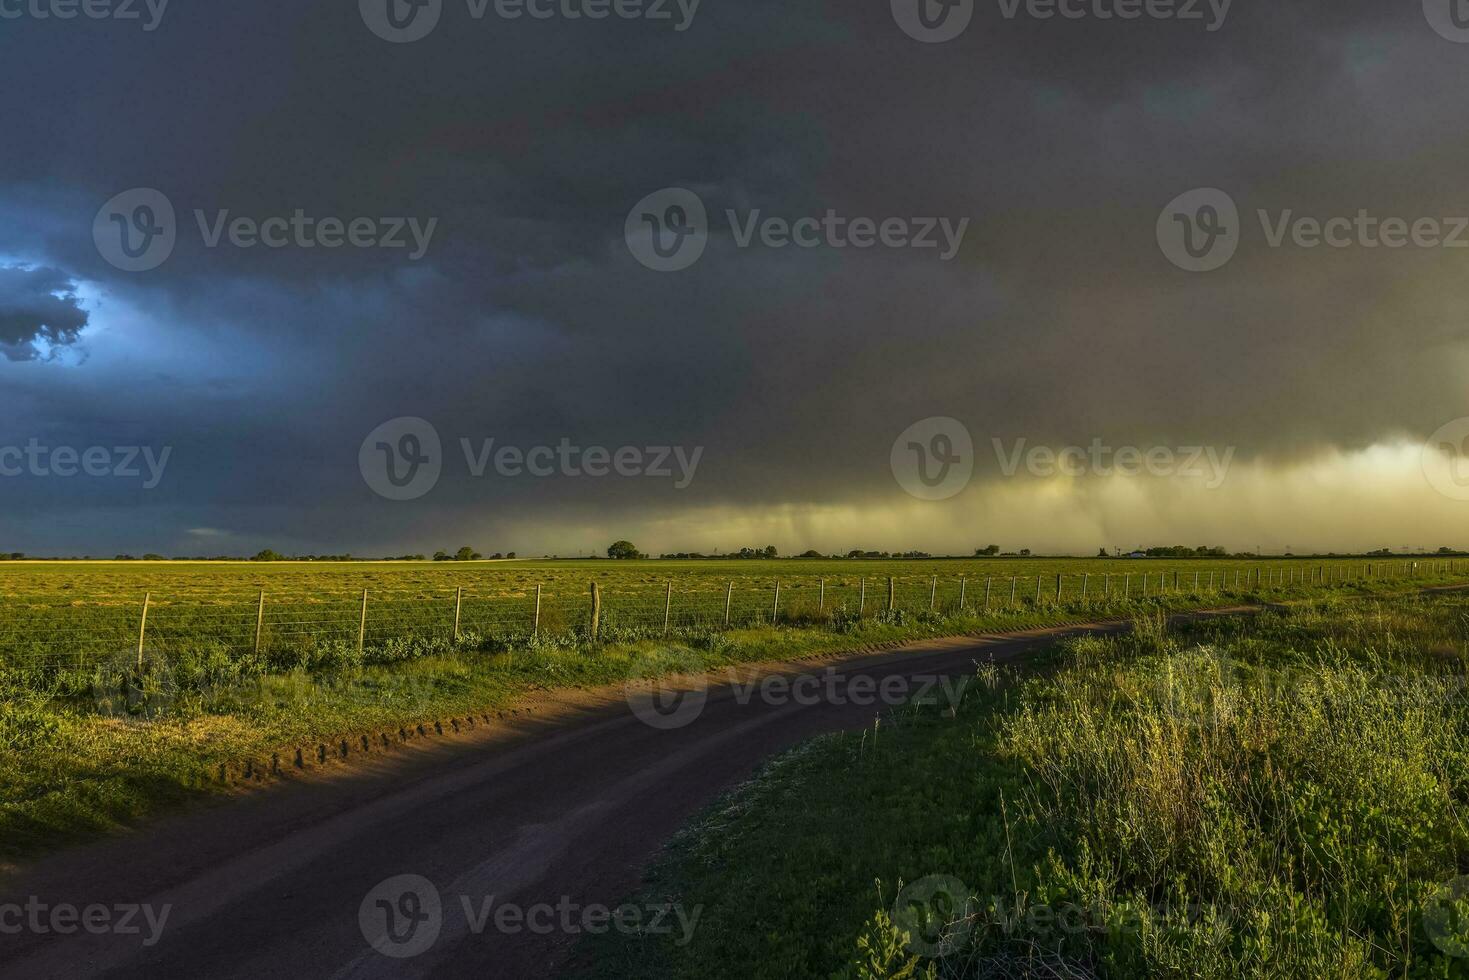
(1058, 587)
(1038, 589)
(775, 609)
(667, 606)
(963, 587)
(458, 605)
(892, 594)
(535, 627)
(728, 595)
(362, 625)
(988, 581)
(1012, 590)
(1127, 585)
(259, 622)
(1106, 585)
(143, 627)
(933, 593)
(1085, 576)
(862, 598)
(596, 623)
(821, 602)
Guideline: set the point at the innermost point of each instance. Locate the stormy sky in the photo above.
(496, 173)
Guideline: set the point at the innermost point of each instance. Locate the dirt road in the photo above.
(561, 809)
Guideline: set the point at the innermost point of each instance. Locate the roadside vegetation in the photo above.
(1284, 795)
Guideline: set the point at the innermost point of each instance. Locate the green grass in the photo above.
(94, 743)
(1282, 796)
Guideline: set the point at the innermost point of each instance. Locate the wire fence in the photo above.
(283, 628)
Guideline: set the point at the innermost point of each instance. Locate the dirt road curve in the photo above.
(564, 808)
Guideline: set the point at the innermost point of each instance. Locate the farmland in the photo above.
(61, 617)
(97, 734)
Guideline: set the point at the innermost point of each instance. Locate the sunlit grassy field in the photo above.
(92, 734)
(68, 615)
(1276, 796)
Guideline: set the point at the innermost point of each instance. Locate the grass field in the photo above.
(60, 617)
(93, 739)
(1278, 796)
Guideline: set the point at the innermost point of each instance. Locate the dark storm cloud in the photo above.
(527, 320)
(37, 305)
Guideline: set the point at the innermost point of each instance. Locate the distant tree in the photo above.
(441, 556)
(987, 551)
(813, 553)
(268, 555)
(1025, 552)
(623, 549)
(770, 551)
(466, 553)
(1101, 552)
(510, 554)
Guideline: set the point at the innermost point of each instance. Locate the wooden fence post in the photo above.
(535, 626)
(775, 609)
(1058, 587)
(821, 601)
(862, 598)
(458, 605)
(143, 627)
(596, 623)
(988, 581)
(963, 587)
(728, 596)
(667, 606)
(892, 594)
(1013, 583)
(259, 622)
(933, 593)
(1085, 577)
(362, 625)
